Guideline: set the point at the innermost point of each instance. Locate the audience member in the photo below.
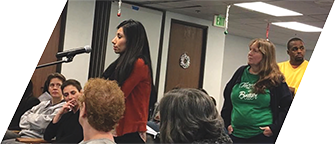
(34, 121)
(189, 116)
(65, 127)
(294, 68)
(256, 99)
(203, 90)
(101, 107)
(26, 103)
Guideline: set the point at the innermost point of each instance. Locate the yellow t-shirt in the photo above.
(292, 75)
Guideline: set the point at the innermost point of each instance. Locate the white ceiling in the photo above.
(252, 24)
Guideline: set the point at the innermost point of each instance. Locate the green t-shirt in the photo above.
(250, 110)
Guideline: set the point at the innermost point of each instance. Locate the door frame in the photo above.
(62, 35)
(203, 52)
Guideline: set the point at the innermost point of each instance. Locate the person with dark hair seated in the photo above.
(213, 99)
(34, 121)
(26, 103)
(189, 116)
(65, 126)
(152, 132)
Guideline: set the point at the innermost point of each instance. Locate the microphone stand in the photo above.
(66, 60)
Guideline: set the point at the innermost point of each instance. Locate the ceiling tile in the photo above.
(321, 17)
(178, 4)
(206, 3)
(304, 7)
(159, 6)
(251, 24)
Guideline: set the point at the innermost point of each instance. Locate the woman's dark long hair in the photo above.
(137, 46)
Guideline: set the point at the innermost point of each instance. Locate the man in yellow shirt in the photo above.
(294, 68)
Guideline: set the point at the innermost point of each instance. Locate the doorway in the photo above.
(187, 40)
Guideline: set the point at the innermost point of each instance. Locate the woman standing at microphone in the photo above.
(132, 70)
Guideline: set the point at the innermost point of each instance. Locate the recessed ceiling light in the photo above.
(298, 26)
(268, 9)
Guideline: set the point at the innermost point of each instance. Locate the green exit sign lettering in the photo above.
(219, 21)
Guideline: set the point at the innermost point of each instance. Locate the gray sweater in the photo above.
(34, 121)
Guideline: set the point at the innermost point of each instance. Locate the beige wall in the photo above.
(78, 33)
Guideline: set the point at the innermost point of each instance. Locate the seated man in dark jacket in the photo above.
(65, 127)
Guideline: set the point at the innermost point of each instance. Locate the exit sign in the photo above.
(219, 21)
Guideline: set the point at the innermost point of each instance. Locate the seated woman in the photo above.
(26, 103)
(101, 107)
(34, 121)
(152, 133)
(189, 116)
(65, 125)
(213, 99)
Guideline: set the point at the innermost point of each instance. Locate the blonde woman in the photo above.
(257, 98)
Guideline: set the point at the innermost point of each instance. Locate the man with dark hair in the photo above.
(294, 68)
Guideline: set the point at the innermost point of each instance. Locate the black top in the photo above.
(66, 130)
(26, 103)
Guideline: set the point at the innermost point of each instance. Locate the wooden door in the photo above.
(189, 39)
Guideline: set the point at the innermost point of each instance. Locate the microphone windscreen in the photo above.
(88, 48)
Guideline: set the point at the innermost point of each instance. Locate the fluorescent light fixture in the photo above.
(268, 9)
(298, 26)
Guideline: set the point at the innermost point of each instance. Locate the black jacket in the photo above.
(66, 130)
(25, 104)
(281, 99)
(223, 139)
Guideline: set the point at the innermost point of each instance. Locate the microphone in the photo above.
(73, 52)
